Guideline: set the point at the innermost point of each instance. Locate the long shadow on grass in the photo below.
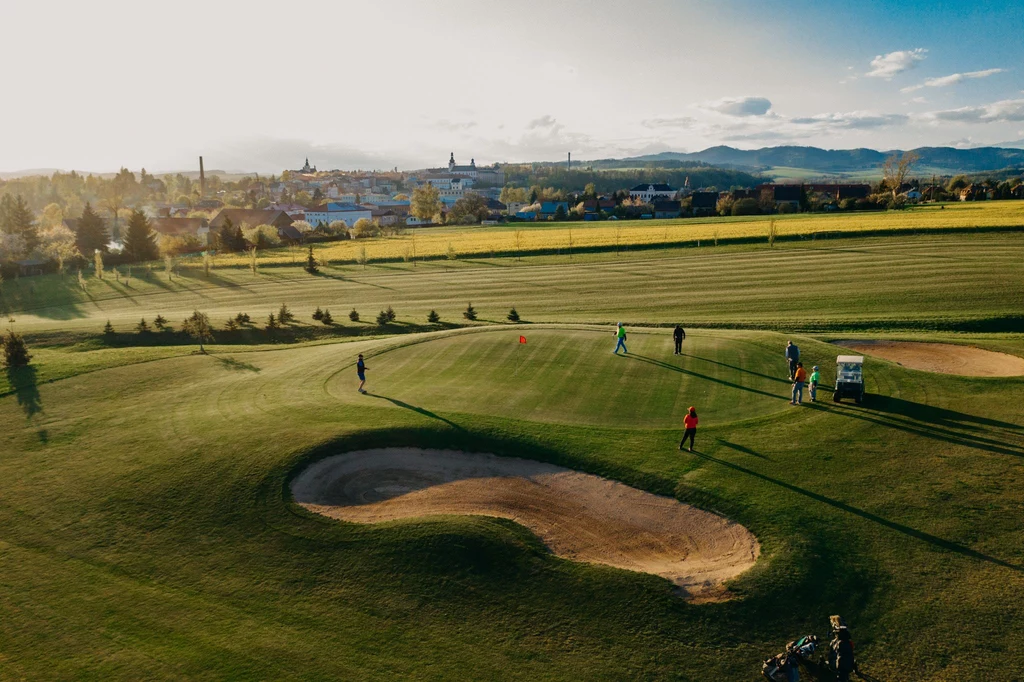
(934, 432)
(236, 365)
(740, 369)
(23, 381)
(935, 415)
(418, 410)
(899, 527)
(674, 368)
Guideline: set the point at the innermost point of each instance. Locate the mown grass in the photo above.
(147, 532)
(932, 282)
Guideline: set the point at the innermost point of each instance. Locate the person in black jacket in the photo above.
(678, 335)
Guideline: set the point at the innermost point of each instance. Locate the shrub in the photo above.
(318, 314)
(15, 352)
(284, 316)
(433, 317)
(390, 313)
(142, 327)
(354, 316)
(108, 328)
(382, 318)
(513, 315)
(364, 229)
(470, 312)
(326, 318)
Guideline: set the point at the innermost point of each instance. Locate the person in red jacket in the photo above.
(690, 424)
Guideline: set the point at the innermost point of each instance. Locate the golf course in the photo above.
(510, 501)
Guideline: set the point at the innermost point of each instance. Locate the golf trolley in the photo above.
(849, 378)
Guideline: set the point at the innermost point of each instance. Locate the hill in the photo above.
(941, 160)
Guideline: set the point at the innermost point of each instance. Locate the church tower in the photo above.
(451, 163)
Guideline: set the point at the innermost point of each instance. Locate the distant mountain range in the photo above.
(842, 161)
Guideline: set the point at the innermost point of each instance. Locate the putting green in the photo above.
(572, 376)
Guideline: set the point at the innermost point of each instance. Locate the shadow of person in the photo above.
(418, 410)
(936, 415)
(23, 381)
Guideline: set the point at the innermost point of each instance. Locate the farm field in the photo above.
(579, 236)
(148, 531)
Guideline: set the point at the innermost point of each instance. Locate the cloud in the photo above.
(851, 120)
(739, 106)
(888, 65)
(996, 112)
(952, 79)
(452, 126)
(669, 122)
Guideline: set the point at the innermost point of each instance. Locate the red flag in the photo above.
(522, 339)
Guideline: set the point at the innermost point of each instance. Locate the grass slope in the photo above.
(146, 530)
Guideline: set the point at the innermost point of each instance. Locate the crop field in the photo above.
(148, 528)
(620, 235)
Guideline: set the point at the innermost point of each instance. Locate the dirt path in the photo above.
(945, 358)
(578, 516)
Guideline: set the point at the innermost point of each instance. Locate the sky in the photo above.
(260, 86)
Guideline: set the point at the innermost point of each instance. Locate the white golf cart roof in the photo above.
(858, 359)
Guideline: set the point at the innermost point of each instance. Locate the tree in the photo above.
(97, 261)
(198, 327)
(58, 244)
(51, 216)
(160, 322)
(425, 204)
(469, 313)
(311, 264)
(318, 314)
(382, 318)
(590, 191)
(513, 195)
(746, 207)
(284, 316)
(433, 317)
(272, 323)
(229, 237)
(108, 328)
(16, 220)
(391, 314)
(92, 232)
(469, 210)
(365, 228)
(513, 315)
(139, 239)
(15, 351)
(115, 195)
(362, 258)
(560, 214)
(231, 325)
(354, 316)
(896, 169)
(142, 327)
(327, 318)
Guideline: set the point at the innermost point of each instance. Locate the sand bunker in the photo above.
(942, 357)
(578, 516)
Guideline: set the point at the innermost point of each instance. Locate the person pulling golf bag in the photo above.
(840, 650)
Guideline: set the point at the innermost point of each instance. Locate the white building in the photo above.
(346, 213)
(652, 192)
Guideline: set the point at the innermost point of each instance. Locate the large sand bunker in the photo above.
(578, 516)
(946, 358)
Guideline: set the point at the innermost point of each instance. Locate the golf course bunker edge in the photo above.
(578, 516)
(943, 358)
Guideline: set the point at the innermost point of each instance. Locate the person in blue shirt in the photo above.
(793, 355)
(361, 373)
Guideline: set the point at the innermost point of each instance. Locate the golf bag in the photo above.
(781, 668)
(804, 647)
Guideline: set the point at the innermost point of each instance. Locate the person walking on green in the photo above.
(815, 375)
(361, 373)
(690, 426)
(620, 334)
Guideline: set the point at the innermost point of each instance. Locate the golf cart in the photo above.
(849, 378)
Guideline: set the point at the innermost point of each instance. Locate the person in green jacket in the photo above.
(620, 334)
(814, 383)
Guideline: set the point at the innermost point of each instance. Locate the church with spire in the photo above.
(492, 175)
(307, 168)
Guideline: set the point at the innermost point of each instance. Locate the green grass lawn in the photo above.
(146, 530)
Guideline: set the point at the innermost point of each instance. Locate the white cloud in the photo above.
(996, 112)
(851, 120)
(739, 106)
(888, 65)
(952, 79)
(669, 122)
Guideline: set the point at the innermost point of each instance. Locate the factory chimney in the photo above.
(569, 167)
(202, 180)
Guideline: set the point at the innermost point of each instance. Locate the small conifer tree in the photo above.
(142, 327)
(15, 351)
(231, 325)
(311, 264)
(469, 313)
(284, 316)
(160, 322)
(108, 328)
(382, 318)
(318, 314)
(513, 315)
(326, 318)
(354, 316)
(433, 317)
(272, 323)
(391, 314)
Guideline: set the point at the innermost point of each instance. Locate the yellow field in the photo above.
(483, 241)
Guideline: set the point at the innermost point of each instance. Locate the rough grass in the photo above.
(146, 531)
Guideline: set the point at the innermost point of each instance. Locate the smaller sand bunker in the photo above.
(578, 516)
(945, 358)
